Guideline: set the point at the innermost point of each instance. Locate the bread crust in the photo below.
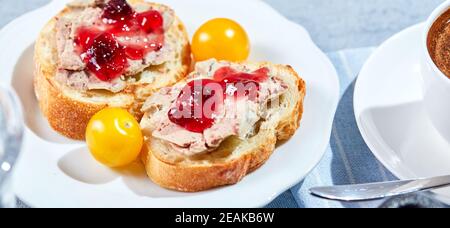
(65, 115)
(199, 177)
(287, 128)
(68, 115)
(186, 178)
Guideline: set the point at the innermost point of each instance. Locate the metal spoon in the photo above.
(374, 191)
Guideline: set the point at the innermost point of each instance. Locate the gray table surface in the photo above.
(333, 24)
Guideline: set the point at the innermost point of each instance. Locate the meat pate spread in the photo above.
(230, 115)
(102, 43)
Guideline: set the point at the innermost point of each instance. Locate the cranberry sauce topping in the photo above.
(105, 57)
(229, 75)
(190, 101)
(120, 35)
(118, 10)
(150, 21)
(191, 111)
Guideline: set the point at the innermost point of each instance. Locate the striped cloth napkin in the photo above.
(347, 160)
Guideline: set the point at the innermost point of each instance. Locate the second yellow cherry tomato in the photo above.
(222, 39)
(114, 137)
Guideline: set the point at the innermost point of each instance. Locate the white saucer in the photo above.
(56, 172)
(390, 115)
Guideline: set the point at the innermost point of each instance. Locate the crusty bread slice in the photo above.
(69, 111)
(235, 158)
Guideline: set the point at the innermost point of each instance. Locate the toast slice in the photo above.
(68, 109)
(235, 157)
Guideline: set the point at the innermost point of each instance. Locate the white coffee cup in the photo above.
(436, 84)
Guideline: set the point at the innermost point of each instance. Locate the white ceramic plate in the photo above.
(390, 114)
(56, 172)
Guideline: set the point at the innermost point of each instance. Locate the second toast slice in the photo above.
(193, 154)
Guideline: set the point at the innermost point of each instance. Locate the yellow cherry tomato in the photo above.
(114, 137)
(222, 39)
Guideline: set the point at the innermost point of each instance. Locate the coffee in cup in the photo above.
(438, 43)
(436, 68)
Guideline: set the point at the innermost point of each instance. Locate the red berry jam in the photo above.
(249, 82)
(104, 56)
(190, 112)
(190, 101)
(121, 34)
(150, 21)
(117, 10)
(230, 75)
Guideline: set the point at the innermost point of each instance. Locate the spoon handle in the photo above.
(364, 192)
